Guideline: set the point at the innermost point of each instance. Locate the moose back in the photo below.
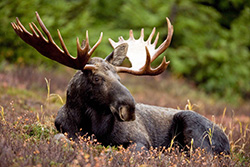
(97, 103)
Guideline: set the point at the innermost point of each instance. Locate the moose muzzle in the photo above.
(123, 112)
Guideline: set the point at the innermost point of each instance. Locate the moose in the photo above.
(97, 102)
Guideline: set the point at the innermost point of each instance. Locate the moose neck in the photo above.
(90, 116)
(102, 122)
(97, 120)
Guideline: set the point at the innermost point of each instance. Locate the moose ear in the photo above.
(118, 55)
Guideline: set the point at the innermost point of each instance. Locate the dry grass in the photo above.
(26, 140)
(28, 110)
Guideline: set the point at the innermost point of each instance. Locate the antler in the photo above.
(49, 48)
(142, 53)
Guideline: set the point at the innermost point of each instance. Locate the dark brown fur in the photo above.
(96, 98)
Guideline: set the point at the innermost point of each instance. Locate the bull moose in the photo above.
(97, 103)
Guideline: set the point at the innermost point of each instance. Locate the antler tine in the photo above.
(113, 43)
(85, 53)
(142, 53)
(131, 35)
(32, 29)
(19, 26)
(151, 36)
(86, 48)
(121, 39)
(166, 43)
(49, 48)
(142, 35)
(62, 43)
(45, 30)
(96, 45)
(82, 53)
(156, 39)
(20, 29)
(162, 67)
(146, 69)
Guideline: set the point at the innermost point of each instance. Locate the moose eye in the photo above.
(97, 79)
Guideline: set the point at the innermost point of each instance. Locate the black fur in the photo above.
(188, 125)
(97, 103)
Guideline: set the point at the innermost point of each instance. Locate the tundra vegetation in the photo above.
(28, 110)
(210, 45)
(27, 119)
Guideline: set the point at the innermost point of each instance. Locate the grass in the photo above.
(27, 126)
(27, 141)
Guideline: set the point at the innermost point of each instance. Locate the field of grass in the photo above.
(29, 104)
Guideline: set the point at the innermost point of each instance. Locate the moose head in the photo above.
(101, 85)
(97, 103)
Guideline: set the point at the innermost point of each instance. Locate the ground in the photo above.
(29, 104)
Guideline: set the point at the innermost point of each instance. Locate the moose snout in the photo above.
(123, 112)
(122, 103)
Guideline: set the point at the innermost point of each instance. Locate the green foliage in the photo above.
(12, 48)
(217, 59)
(210, 45)
(38, 131)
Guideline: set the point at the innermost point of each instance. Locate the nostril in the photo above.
(126, 113)
(123, 113)
(123, 110)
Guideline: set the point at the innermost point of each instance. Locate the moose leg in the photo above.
(135, 146)
(188, 126)
(140, 147)
(65, 123)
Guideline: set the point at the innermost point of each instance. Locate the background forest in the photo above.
(210, 45)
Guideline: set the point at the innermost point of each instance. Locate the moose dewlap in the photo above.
(97, 103)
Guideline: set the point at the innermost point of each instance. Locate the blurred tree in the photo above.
(216, 58)
(229, 10)
(13, 49)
